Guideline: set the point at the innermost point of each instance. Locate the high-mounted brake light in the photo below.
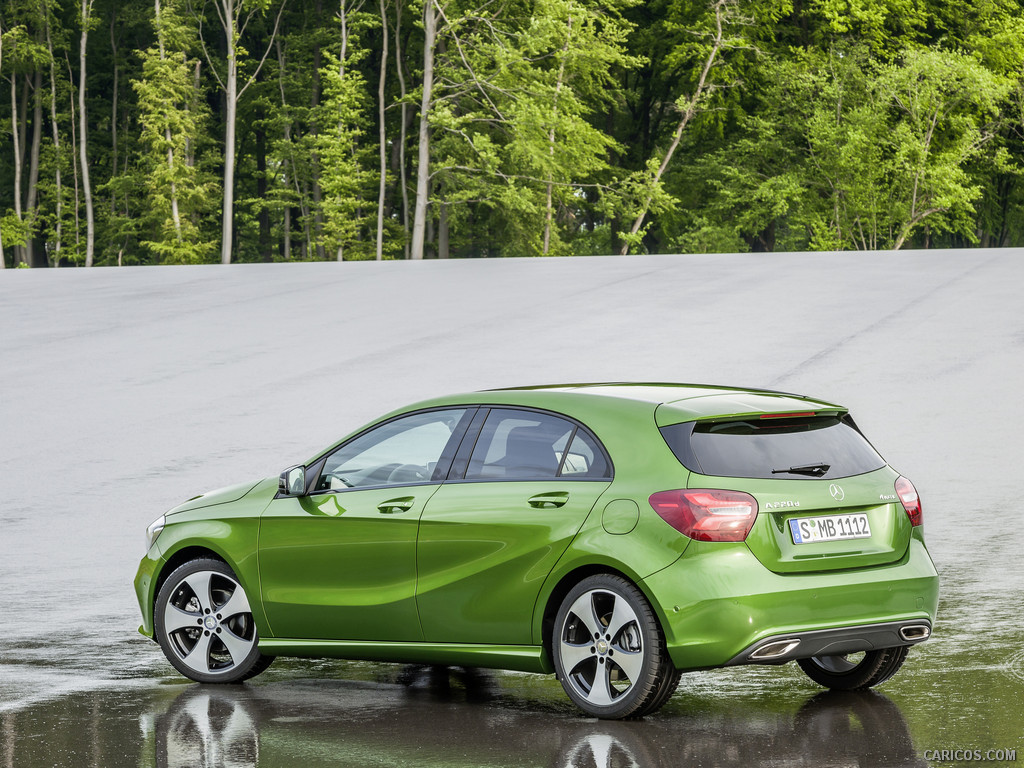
(707, 515)
(787, 415)
(909, 499)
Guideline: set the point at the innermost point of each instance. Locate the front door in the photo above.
(340, 563)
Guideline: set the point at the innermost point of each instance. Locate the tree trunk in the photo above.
(549, 208)
(3, 263)
(306, 215)
(261, 187)
(404, 128)
(23, 121)
(90, 223)
(33, 167)
(383, 134)
(56, 147)
(190, 150)
(17, 138)
(429, 250)
(286, 242)
(230, 117)
(442, 232)
(113, 108)
(423, 166)
(74, 171)
(318, 214)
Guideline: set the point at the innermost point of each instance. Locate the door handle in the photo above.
(549, 500)
(403, 504)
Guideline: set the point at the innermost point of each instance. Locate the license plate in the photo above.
(810, 530)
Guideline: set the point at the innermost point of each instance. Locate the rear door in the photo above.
(826, 499)
(490, 535)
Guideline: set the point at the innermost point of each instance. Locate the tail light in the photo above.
(707, 515)
(909, 499)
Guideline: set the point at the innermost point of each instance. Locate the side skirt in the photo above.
(522, 658)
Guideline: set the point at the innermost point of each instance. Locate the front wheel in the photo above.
(855, 671)
(608, 650)
(204, 624)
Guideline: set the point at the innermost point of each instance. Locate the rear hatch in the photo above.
(826, 500)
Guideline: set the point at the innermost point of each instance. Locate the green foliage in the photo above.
(172, 119)
(827, 124)
(342, 146)
(855, 153)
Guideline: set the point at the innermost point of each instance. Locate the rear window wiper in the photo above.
(814, 470)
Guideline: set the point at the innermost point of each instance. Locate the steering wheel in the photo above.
(408, 473)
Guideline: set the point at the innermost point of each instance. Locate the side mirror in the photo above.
(292, 481)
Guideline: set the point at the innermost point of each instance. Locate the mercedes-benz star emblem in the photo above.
(837, 492)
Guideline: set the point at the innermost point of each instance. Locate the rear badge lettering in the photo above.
(781, 504)
(887, 496)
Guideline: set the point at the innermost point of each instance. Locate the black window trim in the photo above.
(457, 473)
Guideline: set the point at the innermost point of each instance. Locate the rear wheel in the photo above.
(608, 650)
(204, 624)
(854, 671)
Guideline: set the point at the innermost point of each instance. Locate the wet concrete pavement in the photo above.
(123, 392)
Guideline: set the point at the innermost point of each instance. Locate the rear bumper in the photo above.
(834, 642)
(718, 606)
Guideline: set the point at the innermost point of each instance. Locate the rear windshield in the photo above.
(774, 448)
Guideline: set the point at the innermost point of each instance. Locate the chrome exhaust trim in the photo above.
(913, 633)
(774, 649)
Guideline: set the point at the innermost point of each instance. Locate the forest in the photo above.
(206, 131)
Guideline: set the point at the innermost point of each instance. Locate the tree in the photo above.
(85, 21)
(431, 14)
(234, 17)
(342, 122)
(561, 74)
(172, 118)
(944, 100)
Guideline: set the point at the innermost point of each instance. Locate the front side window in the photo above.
(403, 451)
(526, 445)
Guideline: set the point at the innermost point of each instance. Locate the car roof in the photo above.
(605, 405)
(673, 402)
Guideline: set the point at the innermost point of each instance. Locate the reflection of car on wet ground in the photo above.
(339, 723)
(615, 534)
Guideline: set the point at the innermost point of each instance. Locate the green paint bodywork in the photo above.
(469, 573)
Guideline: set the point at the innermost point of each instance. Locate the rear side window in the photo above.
(774, 448)
(527, 445)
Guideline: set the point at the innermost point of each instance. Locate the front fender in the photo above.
(232, 536)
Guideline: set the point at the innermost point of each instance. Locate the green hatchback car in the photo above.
(613, 534)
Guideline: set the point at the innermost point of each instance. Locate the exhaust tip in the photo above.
(915, 632)
(774, 649)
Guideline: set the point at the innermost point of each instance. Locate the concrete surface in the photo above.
(126, 391)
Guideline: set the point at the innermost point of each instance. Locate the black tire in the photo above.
(612, 660)
(661, 696)
(222, 645)
(843, 673)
